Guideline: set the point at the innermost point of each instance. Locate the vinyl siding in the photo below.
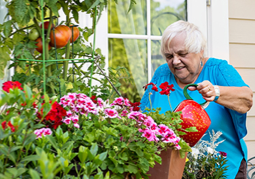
(242, 54)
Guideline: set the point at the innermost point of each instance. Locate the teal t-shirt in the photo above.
(231, 123)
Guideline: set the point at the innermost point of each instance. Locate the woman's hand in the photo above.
(235, 98)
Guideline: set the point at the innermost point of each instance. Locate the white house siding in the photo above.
(242, 54)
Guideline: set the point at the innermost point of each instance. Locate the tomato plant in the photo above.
(39, 45)
(46, 25)
(62, 36)
(75, 34)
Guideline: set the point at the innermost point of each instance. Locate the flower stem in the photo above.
(168, 96)
(150, 100)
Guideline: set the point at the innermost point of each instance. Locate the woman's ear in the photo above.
(201, 53)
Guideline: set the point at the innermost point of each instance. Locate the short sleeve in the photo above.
(228, 76)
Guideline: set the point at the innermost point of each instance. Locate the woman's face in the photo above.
(185, 66)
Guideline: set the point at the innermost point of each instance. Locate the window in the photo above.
(134, 39)
(3, 12)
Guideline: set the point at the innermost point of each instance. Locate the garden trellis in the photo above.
(73, 61)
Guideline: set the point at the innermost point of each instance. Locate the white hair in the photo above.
(194, 42)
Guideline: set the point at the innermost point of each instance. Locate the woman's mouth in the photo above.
(179, 68)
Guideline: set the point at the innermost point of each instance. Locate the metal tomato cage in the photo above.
(93, 60)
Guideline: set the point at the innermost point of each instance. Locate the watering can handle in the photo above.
(187, 96)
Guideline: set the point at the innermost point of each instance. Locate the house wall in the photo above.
(242, 54)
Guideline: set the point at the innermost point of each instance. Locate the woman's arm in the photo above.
(239, 99)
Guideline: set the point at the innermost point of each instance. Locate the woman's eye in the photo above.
(169, 56)
(184, 54)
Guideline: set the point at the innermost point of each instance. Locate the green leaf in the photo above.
(103, 156)
(30, 138)
(94, 149)
(131, 168)
(52, 141)
(7, 28)
(131, 5)
(120, 168)
(21, 171)
(14, 148)
(34, 174)
(94, 4)
(28, 91)
(38, 126)
(107, 175)
(20, 9)
(64, 6)
(5, 57)
(83, 153)
(4, 149)
(30, 158)
(139, 152)
(191, 129)
(67, 144)
(12, 171)
(123, 156)
(12, 157)
(75, 15)
(85, 177)
(53, 6)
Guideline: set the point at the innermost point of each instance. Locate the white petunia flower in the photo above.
(210, 150)
(195, 152)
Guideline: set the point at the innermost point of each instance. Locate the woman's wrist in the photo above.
(217, 91)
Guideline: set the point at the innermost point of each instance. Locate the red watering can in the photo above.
(193, 115)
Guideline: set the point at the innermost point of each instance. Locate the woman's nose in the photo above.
(176, 59)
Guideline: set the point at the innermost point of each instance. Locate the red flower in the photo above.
(11, 85)
(93, 98)
(4, 126)
(153, 88)
(9, 124)
(54, 116)
(135, 106)
(23, 104)
(166, 88)
(224, 154)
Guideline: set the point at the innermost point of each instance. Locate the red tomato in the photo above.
(75, 34)
(39, 45)
(46, 25)
(62, 35)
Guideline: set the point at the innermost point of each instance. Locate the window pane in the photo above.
(131, 54)
(165, 12)
(120, 21)
(156, 57)
(3, 12)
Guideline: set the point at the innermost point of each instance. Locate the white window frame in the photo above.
(211, 16)
(3, 12)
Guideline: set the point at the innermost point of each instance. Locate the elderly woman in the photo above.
(183, 47)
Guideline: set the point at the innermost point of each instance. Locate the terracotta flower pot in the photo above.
(172, 166)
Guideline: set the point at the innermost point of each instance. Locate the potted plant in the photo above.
(78, 136)
(205, 161)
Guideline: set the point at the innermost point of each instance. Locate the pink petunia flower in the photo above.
(111, 113)
(76, 125)
(42, 132)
